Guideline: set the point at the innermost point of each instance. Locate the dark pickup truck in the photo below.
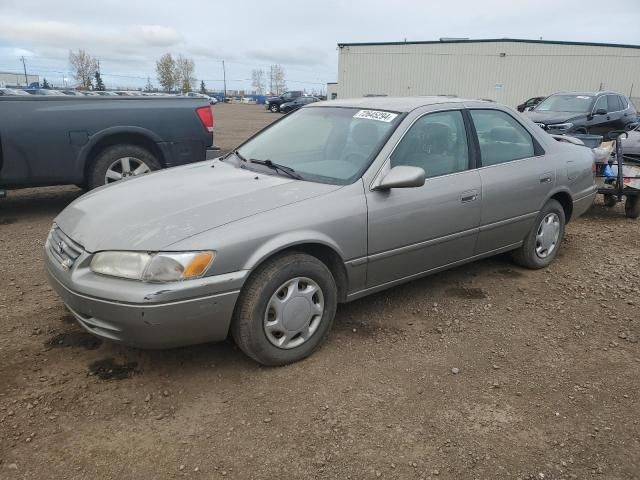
(273, 103)
(92, 141)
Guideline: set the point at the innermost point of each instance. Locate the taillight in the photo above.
(206, 117)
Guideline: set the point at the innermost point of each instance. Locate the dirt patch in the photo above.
(510, 273)
(74, 339)
(109, 369)
(467, 293)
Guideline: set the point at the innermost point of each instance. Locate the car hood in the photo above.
(156, 210)
(550, 118)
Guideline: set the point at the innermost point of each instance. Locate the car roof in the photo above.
(396, 104)
(590, 94)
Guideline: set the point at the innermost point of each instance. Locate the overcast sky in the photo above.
(129, 35)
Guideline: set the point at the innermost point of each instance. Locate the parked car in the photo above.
(273, 103)
(92, 141)
(12, 92)
(591, 112)
(529, 104)
(211, 100)
(297, 103)
(45, 91)
(333, 202)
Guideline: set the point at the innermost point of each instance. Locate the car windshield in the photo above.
(566, 103)
(323, 144)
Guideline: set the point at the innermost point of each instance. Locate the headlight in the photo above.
(560, 126)
(152, 267)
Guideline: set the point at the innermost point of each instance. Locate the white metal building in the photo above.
(17, 79)
(508, 71)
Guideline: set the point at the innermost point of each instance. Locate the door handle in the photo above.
(545, 178)
(469, 196)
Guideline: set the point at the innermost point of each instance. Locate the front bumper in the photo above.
(146, 315)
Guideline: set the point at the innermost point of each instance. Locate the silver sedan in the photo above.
(333, 202)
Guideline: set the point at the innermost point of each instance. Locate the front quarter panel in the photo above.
(336, 220)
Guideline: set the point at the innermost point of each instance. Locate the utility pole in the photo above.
(24, 65)
(271, 79)
(224, 77)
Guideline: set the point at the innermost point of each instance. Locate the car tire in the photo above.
(274, 108)
(542, 243)
(632, 206)
(610, 201)
(283, 284)
(107, 161)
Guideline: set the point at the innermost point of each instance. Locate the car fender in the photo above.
(288, 240)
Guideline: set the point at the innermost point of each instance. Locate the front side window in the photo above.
(502, 138)
(601, 104)
(437, 143)
(323, 144)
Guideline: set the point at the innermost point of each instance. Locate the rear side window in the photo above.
(501, 138)
(623, 102)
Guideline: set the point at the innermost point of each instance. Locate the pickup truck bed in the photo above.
(75, 140)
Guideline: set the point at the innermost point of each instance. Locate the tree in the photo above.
(257, 80)
(278, 80)
(203, 88)
(99, 83)
(149, 86)
(185, 68)
(83, 67)
(166, 71)
(45, 84)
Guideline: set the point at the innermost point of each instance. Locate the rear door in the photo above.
(516, 179)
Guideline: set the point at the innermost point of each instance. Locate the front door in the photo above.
(415, 230)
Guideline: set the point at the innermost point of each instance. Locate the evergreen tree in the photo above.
(45, 84)
(186, 86)
(149, 87)
(203, 88)
(99, 83)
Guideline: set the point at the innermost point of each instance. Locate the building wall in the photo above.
(17, 79)
(478, 70)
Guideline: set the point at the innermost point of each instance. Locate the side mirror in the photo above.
(402, 176)
(600, 111)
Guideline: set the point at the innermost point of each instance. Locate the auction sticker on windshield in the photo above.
(377, 115)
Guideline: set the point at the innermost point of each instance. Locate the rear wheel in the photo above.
(632, 206)
(120, 161)
(542, 243)
(285, 310)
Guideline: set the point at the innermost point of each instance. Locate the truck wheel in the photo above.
(285, 309)
(118, 162)
(274, 108)
(542, 243)
(632, 206)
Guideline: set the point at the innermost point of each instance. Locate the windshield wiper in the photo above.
(277, 167)
(237, 154)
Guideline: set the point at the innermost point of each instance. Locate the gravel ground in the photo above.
(487, 371)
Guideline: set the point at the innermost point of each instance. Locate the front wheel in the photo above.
(285, 310)
(274, 108)
(542, 243)
(632, 206)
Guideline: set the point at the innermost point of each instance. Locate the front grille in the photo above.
(62, 248)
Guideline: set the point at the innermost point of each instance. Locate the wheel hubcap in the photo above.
(294, 313)
(125, 167)
(547, 235)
